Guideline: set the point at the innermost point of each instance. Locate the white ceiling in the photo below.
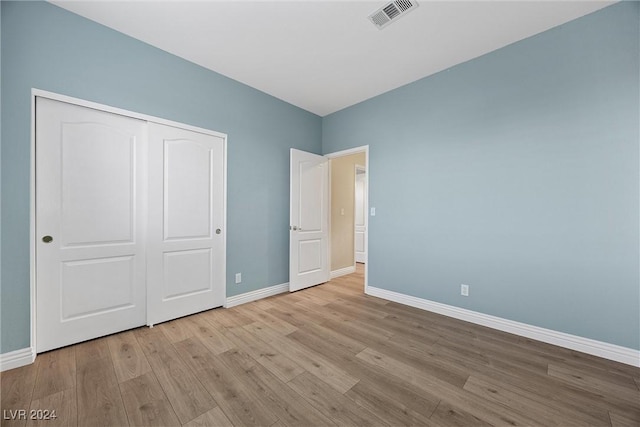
(325, 55)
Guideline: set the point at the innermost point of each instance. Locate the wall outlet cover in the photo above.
(464, 290)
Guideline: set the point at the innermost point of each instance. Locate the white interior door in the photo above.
(186, 249)
(309, 220)
(360, 213)
(90, 223)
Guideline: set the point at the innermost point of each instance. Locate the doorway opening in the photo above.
(348, 218)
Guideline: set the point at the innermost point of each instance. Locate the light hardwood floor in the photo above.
(328, 355)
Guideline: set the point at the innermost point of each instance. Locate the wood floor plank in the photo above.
(575, 358)
(99, 399)
(225, 317)
(93, 349)
(267, 303)
(288, 406)
(588, 382)
(188, 397)
(447, 415)
(146, 403)
(619, 420)
(372, 326)
(358, 310)
(424, 362)
(530, 357)
(521, 401)
(483, 409)
(360, 299)
(332, 404)
(176, 330)
(306, 304)
(420, 355)
(58, 409)
(16, 391)
(268, 356)
(212, 337)
(127, 356)
(345, 286)
(393, 391)
(313, 363)
(370, 396)
(441, 325)
(268, 319)
(325, 293)
(56, 372)
(574, 404)
(324, 315)
(212, 418)
(239, 402)
(295, 318)
(602, 374)
(503, 354)
(410, 329)
(334, 336)
(305, 295)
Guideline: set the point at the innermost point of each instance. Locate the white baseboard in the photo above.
(17, 358)
(256, 295)
(343, 271)
(585, 345)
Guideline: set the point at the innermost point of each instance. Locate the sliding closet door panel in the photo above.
(90, 223)
(186, 222)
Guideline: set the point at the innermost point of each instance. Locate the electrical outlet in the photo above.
(238, 278)
(464, 290)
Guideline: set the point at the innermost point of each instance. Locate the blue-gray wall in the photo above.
(49, 48)
(516, 173)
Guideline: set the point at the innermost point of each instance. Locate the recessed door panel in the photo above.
(310, 258)
(311, 206)
(359, 242)
(97, 184)
(187, 273)
(96, 286)
(90, 223)
(188, 198)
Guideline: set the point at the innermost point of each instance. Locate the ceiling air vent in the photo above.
(391, 12)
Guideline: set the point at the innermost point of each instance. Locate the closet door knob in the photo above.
(47, 239)
(218, 231)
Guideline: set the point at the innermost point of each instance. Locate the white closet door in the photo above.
(90, 223)
(186, 223)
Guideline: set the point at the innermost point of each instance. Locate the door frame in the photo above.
(39, 93)
(348, 152)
